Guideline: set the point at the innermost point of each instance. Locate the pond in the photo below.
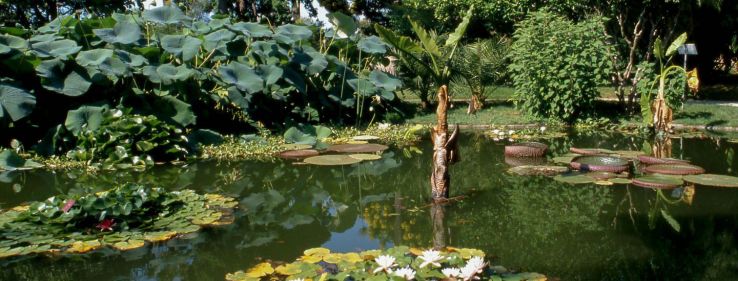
(573, 232)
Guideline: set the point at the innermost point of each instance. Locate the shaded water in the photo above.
(583, 232)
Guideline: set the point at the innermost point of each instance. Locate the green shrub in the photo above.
(556, 65)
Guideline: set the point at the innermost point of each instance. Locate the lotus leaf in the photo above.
(372, 45)
(331, 160)
(16, 103)
(574, 178)
(538, 170)
(366, 156)
(217, 40)
(384, 81)
(166, 14)
(124, 32)
(658, 181)
(9, 160)
(8, 43)
(93, 57)
(309, 134)
(56, 49)
(84, 118)
(241, 76)
(169, 73)
(346, 25)
(298, 154)
(358, 148)
(182, 46)
(712, 180)
(290, 33)
(310, 60)
(675, 169)
(60, 78)
(251, 29)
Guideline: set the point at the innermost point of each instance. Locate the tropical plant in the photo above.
(556, 65)
(481, 65)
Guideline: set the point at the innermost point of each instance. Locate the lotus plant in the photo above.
(431, 257)
(406, 272)
(385, 263)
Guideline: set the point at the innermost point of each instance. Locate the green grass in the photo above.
(494, 93)
(490, 115)
(707, 114)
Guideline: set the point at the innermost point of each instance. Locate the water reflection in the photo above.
(528, 223)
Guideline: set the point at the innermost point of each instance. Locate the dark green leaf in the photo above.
(15, 102)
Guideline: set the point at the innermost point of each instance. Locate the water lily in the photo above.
(431, 257)
(452, 272)
(106, 225)
(543, 129)
(496, 131)
(473, 267)
(385, 262)
(407, 273)
(68, 205)
(510, 132)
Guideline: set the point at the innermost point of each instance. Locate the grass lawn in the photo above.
(495, 93)
(707, 114)
(500, 114)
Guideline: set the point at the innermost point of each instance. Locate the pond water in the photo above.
(573, 232)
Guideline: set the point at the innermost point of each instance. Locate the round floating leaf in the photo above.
(288, 269)
(56, 49)
(600, 163)
(15, 102)
(124, 32)
(298, 154)
(712, 180)
(93, 57)
(365, 156)
(525, 161)
(620, 181)
(358, 148)
(602, 175)
(590, 151)
(574, 178)
(563, 159)
(675, 169)
(80, 247)
(290, 33)
(260, 270)
(538, 170)
(181, 45)
(251, 29)
(365, 138)
(331, 160)
(630, 154)
(166, 14)
(242, 76)
(129, 245)
(526, 149)
(653, 160)
(372, 45)
(603, 182)
(658, 181)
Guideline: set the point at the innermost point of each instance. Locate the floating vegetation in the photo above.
(653, 160)
(365, 156)
(675, 169)
(590, 151)
(10, 161)
(620, 181)
(123, 218)
(630, 154)
(357, 148)
(398, 263)
(298, 154)
(712, 180)
(600, 163)
(563, 159)
(658, 181)
(574, 178)
(526, 149)
(332, 160)
(525, 161)
(538, 170)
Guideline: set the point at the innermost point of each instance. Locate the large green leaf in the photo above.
(218, 39)
(130, 59)
(15, 102)
(290, 33)
(372, 45)
(9, 43)
(455, 37)
(658, 49)
(346, 25)
(363, 86)
(427, 39)
(241, 76)
(84, 118)
(675, 44)
(93, 57)
(9, 160)
(58, 77)
(251, 29)
(270, 73)
(382, 80)
(169, 73)
(402, 43)
(124, 32)
(174, 110)
(167, 14)
(310, 60)
(56, 49)
(181, 45)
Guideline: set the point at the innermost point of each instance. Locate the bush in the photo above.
(557, 65)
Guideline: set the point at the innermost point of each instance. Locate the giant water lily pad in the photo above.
(658, 181)
(331, 160)
(563, 159)
(538, 170)
(525, 161)
(62, 224)
(620, 180)
(590, 151)
(366, 156)
(630, 154)
(712, 180)
(675, 169)
(357, 148)
(653, 160)
(574, 178)
(600, 163)
(526, 149)
(298, 154)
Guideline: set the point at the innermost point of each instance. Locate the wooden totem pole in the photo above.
(445, 149)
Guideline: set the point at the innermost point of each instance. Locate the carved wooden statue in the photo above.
(445, 149)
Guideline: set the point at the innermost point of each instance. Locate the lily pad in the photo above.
(653, 160)
(538, 170)
(526, 149)
(712, 180)
(574, 178)
(675, 169)
(603, 182)
(658, 181)
(602, 175)
(563, 159)
(620, 180)
(600, 163)
(298, 154)
(525, 161)
(129, 245)
(358, 148)
(630, 154)
(366, 156)
(331, 160)
(590, 151)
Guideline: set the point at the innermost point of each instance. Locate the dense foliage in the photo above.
(556, 65)
(481, 65)
(188, 73)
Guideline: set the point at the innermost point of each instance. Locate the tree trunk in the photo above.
(295, 11)
(475, 103)
(662, 113)
(445, 150)
(438, 213)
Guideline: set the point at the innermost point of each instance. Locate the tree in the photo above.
(32, 13)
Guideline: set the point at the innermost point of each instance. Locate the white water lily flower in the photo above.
(496, 131)
(451, 272)
(407, 273)
(385, 263)
(476, 262)
(431, 257)
(468, 273)
(473, 267)
(543, 129)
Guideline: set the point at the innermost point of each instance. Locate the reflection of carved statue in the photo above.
(445, 149)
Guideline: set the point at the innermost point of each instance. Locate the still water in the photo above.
(582, 232)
